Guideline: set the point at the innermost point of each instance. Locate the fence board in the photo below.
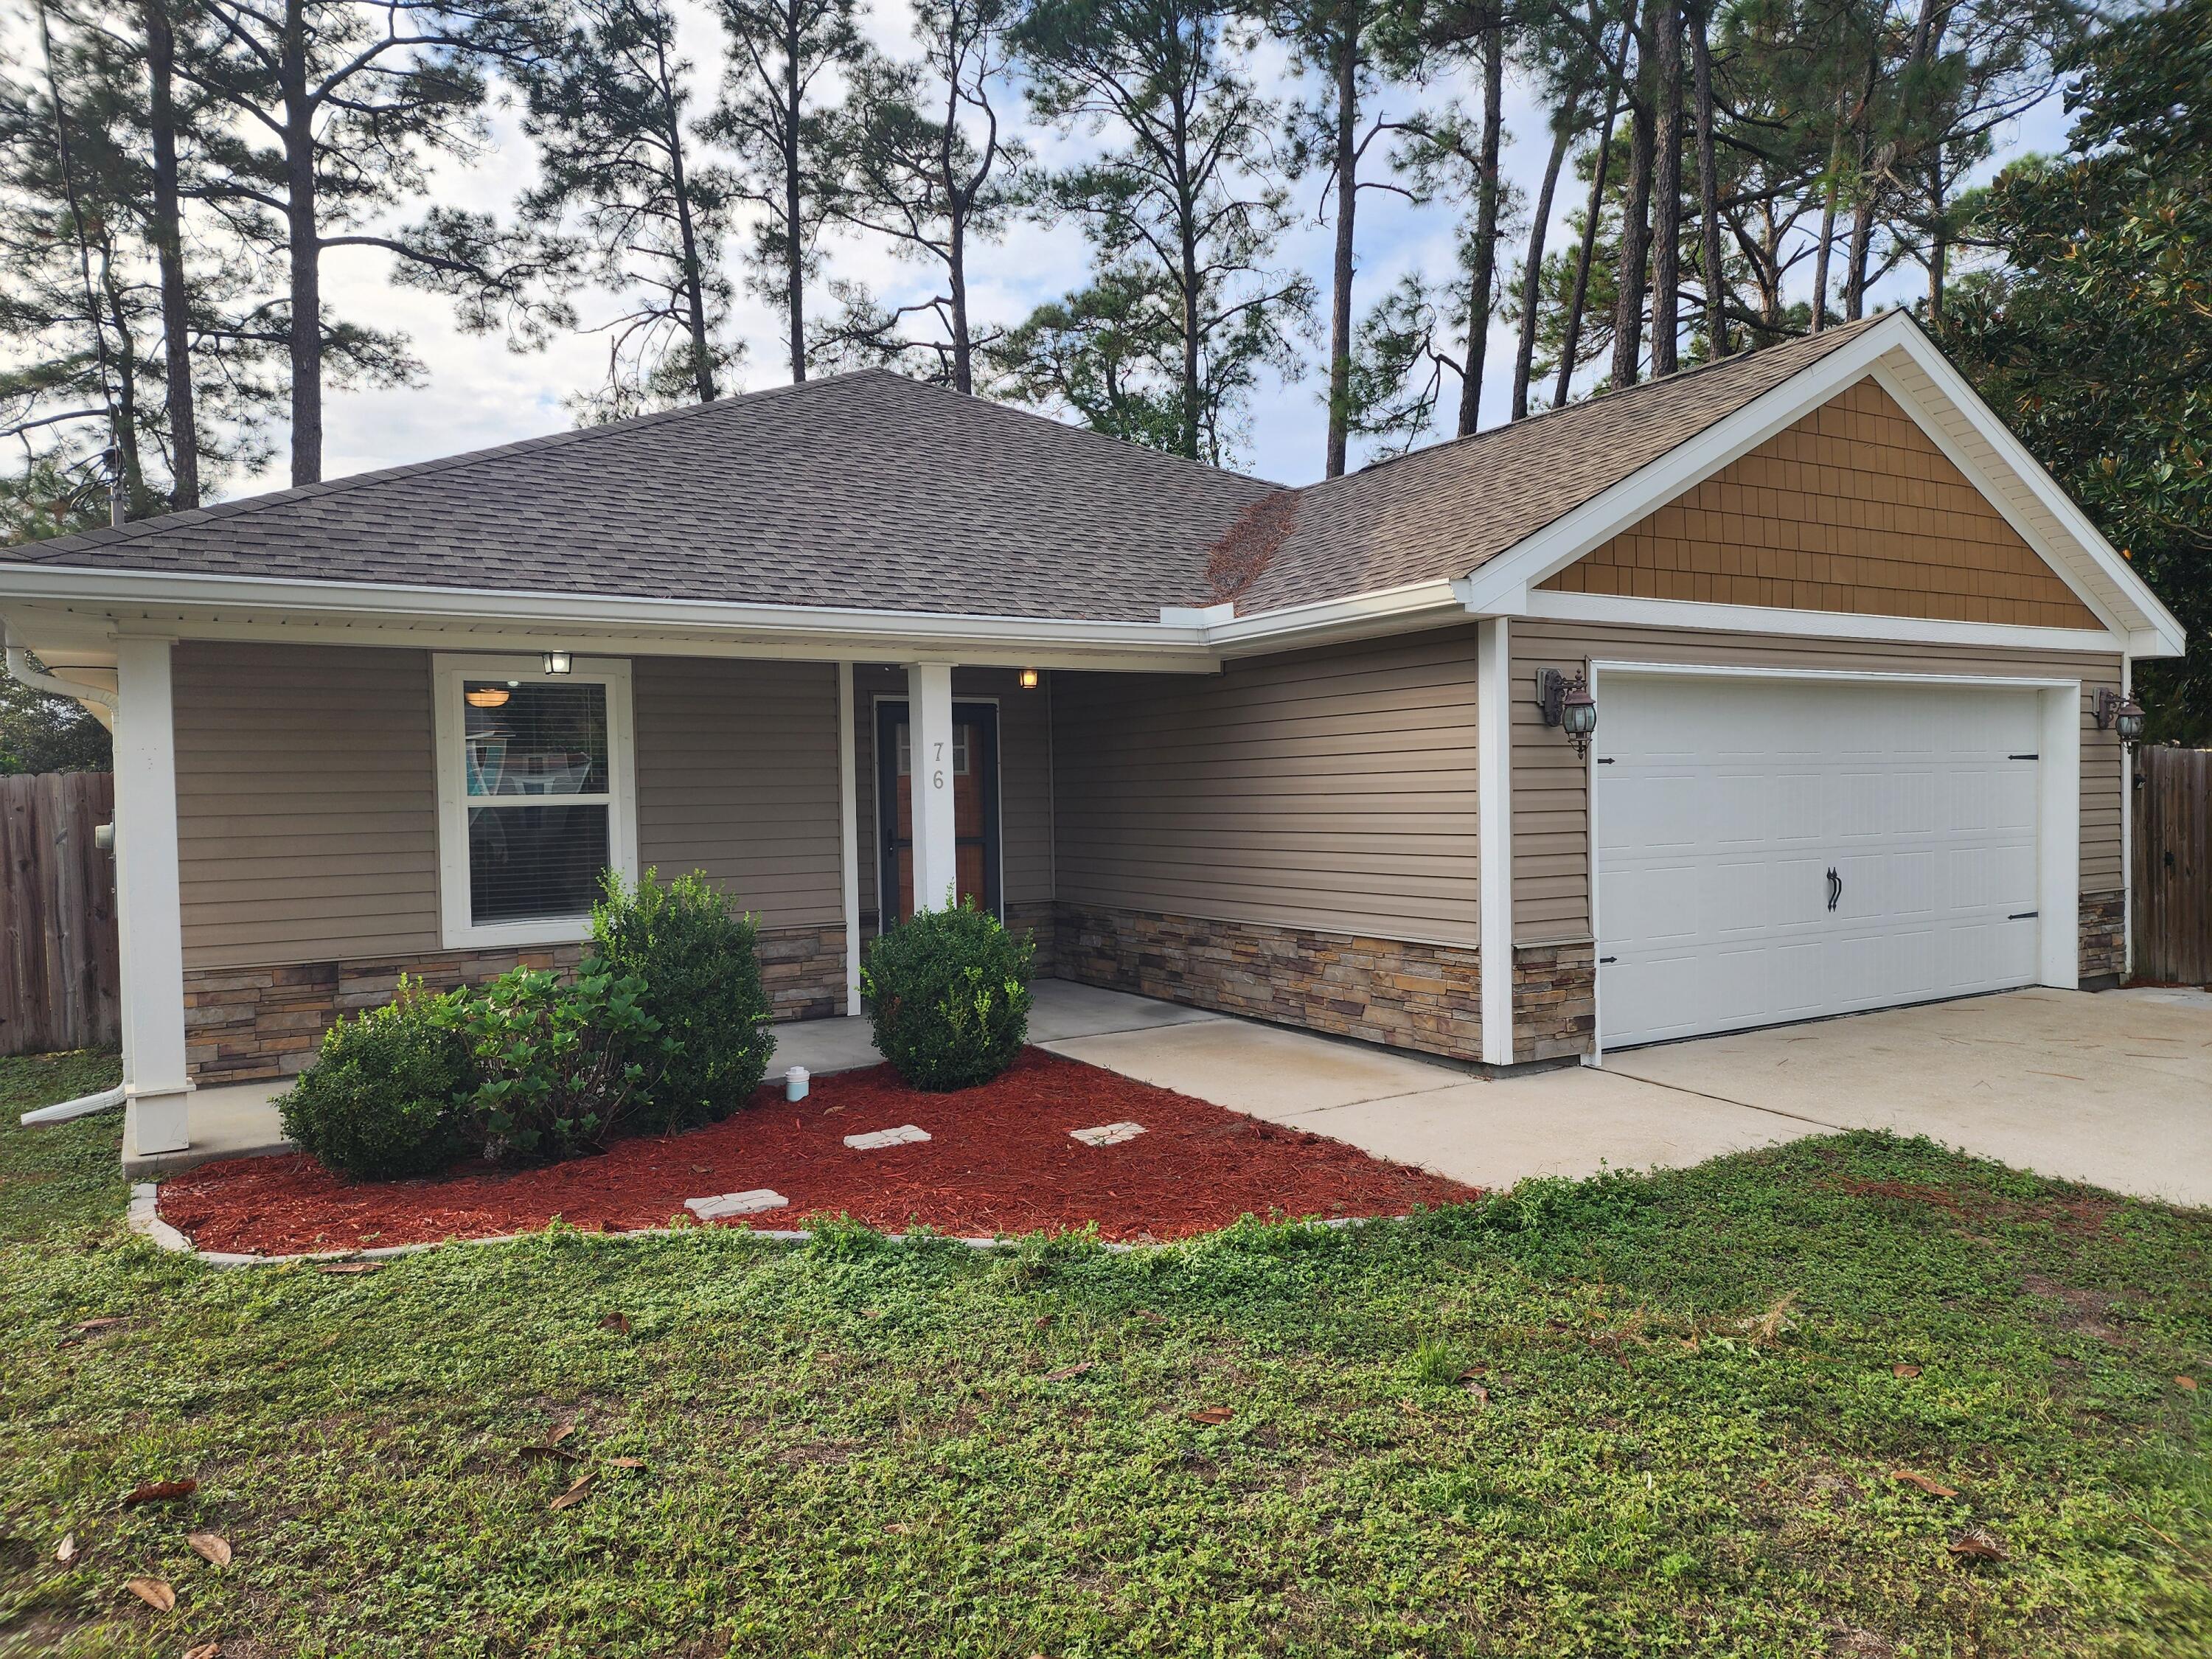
(60, 963)
(2173, 866)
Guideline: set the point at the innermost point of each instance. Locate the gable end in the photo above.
(1851, 509)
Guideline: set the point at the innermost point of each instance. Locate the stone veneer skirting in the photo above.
(1554, 1000)
(1423, 997)
(242, 1024)
(2104, 936)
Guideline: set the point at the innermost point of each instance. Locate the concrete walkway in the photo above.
(2114, 1089)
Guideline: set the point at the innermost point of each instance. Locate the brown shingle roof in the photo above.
(865, 490)
(872, 491)
(1444, 511)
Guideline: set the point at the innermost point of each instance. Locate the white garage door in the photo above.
(1777, 849)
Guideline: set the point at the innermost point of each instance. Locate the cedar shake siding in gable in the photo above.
(1329, 790)
(1853, 508)
(1550, 801)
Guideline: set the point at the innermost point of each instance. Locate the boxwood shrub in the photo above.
(384, 1097)
(949, 997)
(696, 964)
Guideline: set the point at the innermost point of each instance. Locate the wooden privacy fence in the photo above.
(2174, 865)
(61, 983)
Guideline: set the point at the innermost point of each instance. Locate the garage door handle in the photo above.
(1835, 887)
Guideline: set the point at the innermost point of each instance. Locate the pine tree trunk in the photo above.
(1709, 191)
(1347, 200)
(1485, 272)
(1855, 280)
(168, 248)
(956, 273)
(794, 254)
(304, 236)
(1635, 237)
(1667, 234)
(1532, 272)
(1571, 340)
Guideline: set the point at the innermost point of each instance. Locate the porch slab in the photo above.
(233, 1120)
(1267, 1071)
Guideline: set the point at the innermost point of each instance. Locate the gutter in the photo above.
(100, 705)
(83, 1106)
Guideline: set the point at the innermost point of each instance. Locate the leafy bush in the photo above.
(562, 1064)
(949, 997)
(383, 1099)
(698, 965)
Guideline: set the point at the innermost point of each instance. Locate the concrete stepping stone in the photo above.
(1107, 1134)
(728, 1204)
(905, 1135)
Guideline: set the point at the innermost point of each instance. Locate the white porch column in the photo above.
(149, 914)
(849, 835)
(1493, 810)
(929, 727)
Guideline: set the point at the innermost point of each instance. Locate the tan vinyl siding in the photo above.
(307, 812)
(1551, 804)
(1853, 508)
(1331, 789)
(736, 776)
(306, 817)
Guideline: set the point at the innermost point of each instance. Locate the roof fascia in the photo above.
(1327, 622)
(188, 605)
(1546, 605)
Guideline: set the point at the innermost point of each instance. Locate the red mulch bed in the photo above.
(1000, 1160)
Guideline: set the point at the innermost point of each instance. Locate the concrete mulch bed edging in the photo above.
(144, 1218)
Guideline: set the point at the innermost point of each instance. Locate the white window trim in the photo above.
(446, 673)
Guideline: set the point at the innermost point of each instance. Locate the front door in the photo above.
(974, 804)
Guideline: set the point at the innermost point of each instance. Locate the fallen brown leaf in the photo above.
(618, 1323)
(1066, 1371)
(1481, 1393)
(153, 1592)
(1904, 1368)
(1041, 1322)
(579, 1490)
(2188, 1382)
(161, 1492)
(626, 1463)
(210, 1546)
(1776, 1320)
(1151, 1318)
(205, 1650)
(349, 1266)
(900, 1527)
(549, 1454)
(1933, 1488)
(1976, 1546)
(65, 1552)
(562, 1432)
(1210, 1416)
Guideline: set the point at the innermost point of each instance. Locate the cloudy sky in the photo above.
(476, 393)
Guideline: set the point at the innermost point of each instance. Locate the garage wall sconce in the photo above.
(559, 662)
(1567, 704)
(2118, 714)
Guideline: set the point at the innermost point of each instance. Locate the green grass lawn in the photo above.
(1683, 1440)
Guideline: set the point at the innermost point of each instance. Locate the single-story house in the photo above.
(1315, 756)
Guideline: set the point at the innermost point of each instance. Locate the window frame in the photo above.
(448, 672)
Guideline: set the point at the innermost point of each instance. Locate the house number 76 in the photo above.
(937, 778)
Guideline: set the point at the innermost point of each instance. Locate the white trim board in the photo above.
(457, 930)
(2094, 569)
(1493, 797)
(1544, 605)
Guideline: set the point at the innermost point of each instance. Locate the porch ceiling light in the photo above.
(488, 696)
(1567, 704)
(2123, 714)
(559, 662)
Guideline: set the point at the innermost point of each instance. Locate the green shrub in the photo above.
(699, 965)
(562, 1064)
(382, 1099)
(949, 997)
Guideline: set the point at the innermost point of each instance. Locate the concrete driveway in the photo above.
(2113, 1088)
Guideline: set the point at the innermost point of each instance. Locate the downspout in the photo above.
(20, 670)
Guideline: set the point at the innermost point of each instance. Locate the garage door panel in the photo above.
(1723, 805)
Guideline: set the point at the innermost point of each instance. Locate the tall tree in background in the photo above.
(778, 115)
(618, 158)
(1569, 355)
(1712, 263)
(1632, 281)
(338, 107)
(930, 167)
(2092, 334)
(159, 19)
(1338, 42)
(1665, 24)
(1188, 200)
